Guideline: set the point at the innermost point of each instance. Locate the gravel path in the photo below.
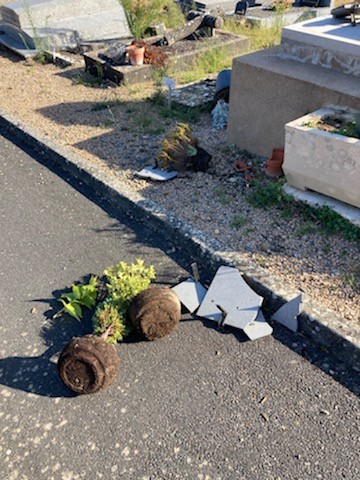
(124, 137)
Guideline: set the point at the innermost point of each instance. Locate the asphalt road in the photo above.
(201, 404)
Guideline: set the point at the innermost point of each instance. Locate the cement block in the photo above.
(322, 161)
(230, 291)
(269, 90)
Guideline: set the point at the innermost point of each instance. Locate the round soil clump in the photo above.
(155, 312)
(88, 364)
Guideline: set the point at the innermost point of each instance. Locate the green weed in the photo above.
(267, 195)
(238, 222)
(223, 196)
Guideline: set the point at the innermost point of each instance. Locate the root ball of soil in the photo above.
(88, 364)
(155, 312)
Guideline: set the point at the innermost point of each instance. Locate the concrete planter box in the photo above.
(321, 161)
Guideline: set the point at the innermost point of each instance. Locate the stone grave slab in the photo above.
(288, 313)
(67, 23)
(232, 294)
(190, 293)
(258, 328)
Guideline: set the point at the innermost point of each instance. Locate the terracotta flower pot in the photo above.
(136, 54)
(273, 167)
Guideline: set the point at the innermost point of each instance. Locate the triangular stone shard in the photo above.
(229, 291)
(288, 313)
(190, 294)
(258, 328)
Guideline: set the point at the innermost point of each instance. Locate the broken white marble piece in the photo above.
(288, 313)
(230, 291)
(258, 328)
(190, 293)
(156, 174)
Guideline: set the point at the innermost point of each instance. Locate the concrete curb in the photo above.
(319, 324)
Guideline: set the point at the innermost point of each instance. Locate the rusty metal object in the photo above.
(88, 364)
(155, 312)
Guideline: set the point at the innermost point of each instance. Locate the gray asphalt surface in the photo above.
(186, 407)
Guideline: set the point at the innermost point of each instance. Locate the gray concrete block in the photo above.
(288, 313)
(190, 293)
(230, 291)
(258, 328)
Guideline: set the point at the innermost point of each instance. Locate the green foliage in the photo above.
(126, 281)
(223, 196)
(211, 61)
(141, 13)
(41, 45)
(260, 37)
(109, 322)
(81, 295)
(271, 194)
(238, 222)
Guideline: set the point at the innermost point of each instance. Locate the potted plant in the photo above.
(322, 153)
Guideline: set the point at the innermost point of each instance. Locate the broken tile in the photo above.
(288, 313)
(232, 294)
(190, 293)
(258, 328)
(156, 174)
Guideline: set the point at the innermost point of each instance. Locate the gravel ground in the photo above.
(124, 137)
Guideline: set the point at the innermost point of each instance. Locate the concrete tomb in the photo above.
(317, 64)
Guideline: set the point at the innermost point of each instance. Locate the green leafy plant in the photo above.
(141, 13)
(109, 322)
(126, 281)
(81, 295)
(271, 194)
(41, 45)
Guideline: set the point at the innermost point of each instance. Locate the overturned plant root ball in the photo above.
(88, 364)
(155, 312)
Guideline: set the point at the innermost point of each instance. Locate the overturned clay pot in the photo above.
(155, 312)
(88, 364)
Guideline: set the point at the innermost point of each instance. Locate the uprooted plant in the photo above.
(181, 151)
(91, 363)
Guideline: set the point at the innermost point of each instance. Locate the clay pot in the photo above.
(136, 54)
(88, 364)
(155, 312)
(273, 165)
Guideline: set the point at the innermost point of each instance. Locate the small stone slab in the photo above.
(288, 313)
(258, 328)
(190, 293)
(156, 174)
(229, 291)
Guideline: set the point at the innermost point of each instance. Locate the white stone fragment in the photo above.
(156, 174)
(230, 291)
(190, 294)
(258, 328)
(288, 313)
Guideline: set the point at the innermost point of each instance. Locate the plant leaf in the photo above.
(73, 309)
